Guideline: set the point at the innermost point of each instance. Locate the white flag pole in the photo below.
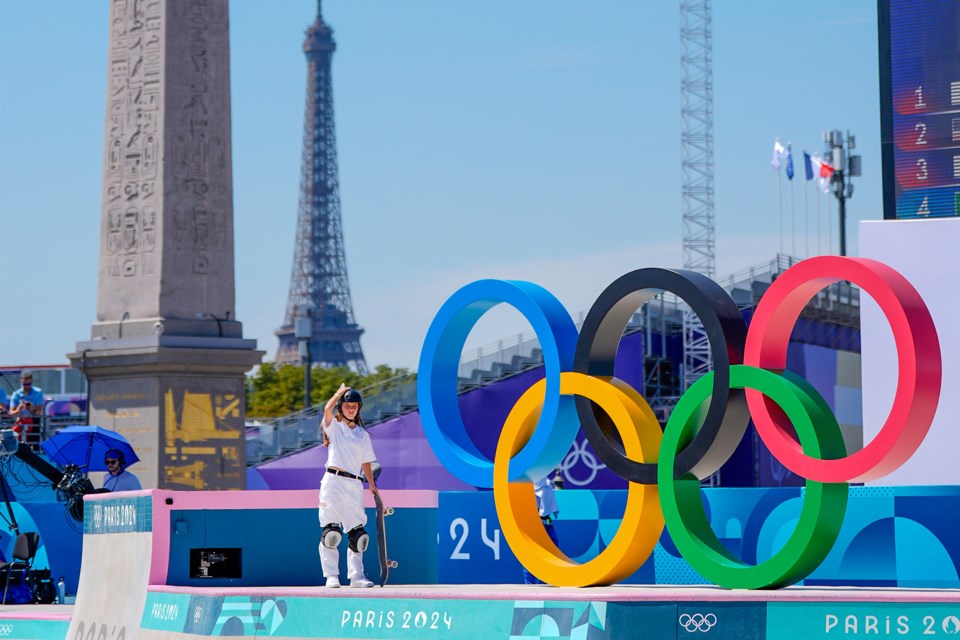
(780, 210)
(793, 226)
(806, 226)
(829, 223)
(816, 197)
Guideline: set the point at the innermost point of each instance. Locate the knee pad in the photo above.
(331, 536)
(359, 540)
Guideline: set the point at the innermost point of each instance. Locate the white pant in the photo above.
(341, 502)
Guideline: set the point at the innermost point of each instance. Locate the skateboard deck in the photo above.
(385, 563)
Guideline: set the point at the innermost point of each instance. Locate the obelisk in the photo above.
(167, 356)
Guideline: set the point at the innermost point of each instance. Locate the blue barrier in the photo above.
(892, 536)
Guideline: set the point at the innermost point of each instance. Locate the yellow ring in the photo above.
(517, 507)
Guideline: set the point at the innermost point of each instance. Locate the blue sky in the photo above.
(535, 140)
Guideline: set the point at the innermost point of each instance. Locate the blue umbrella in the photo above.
(85, 447)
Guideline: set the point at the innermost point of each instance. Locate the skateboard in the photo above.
(385, 563)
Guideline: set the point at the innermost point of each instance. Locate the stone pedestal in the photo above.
(178, 400)
(167, 357)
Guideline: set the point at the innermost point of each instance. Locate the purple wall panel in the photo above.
(402, 450)
(629, 364)
(484, 410)
(819, 366)
(821, 370)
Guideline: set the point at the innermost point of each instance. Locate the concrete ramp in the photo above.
(115, 570)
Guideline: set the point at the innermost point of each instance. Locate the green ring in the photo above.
(824, 504)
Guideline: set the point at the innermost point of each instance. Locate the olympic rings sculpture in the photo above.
(664, 469)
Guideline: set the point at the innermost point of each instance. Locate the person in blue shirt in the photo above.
(26, 404)
(543, 490)
(117, 478)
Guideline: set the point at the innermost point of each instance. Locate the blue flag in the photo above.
(807, 165)
(789, 163)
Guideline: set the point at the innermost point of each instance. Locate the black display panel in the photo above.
(920, 107)
(216, 563)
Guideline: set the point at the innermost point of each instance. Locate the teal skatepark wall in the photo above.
(131, 548)
(891, 536)
(278, 544)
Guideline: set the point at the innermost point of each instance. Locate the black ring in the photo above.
(727, 417)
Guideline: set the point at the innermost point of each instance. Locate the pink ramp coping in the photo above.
(35, 612)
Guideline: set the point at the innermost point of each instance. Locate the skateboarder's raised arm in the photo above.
(331, 404)
(328, 410)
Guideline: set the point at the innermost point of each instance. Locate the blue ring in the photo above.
(438, 373)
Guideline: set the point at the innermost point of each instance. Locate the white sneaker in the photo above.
(361, 583)
(333, 582)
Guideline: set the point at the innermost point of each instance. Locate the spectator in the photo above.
(547, 506)
(117, 478)
(26, 405)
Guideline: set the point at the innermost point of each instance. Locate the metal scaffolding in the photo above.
(696, 88)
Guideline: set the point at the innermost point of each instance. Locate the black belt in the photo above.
(338, 472)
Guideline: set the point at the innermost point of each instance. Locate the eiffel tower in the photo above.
(318, 282)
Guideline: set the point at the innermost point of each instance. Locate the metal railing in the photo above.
(838, 304)
(382, 401)
(42, 429)
(397, 396)
(518, 353)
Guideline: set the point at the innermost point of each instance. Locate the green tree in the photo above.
(274, 390)
(277, 390)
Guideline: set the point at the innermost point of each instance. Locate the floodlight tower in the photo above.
(696, 89)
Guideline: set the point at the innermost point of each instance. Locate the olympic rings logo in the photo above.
(697, 622)
(664, 468)
(579, 453)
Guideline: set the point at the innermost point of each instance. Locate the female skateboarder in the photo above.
(341, 490)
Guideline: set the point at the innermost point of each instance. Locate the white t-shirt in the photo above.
(349, 448)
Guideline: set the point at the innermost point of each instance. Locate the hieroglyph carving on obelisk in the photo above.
(176, 110)
(133, 147)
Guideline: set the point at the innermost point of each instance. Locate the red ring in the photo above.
(918, 357)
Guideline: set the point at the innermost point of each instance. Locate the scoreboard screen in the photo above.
(920, 107)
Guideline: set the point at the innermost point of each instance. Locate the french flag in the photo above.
(826, 171)
(814, 167)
